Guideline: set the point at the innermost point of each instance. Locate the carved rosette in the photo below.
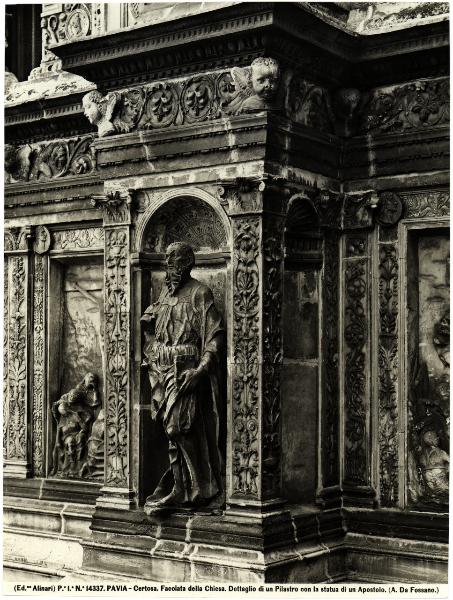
(116, 209)
(16, 336)
(388, 374)
(245, 405)
(39, 344)
(330, 374)
(356, 340)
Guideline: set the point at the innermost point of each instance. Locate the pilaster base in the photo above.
(16, 468)
(116, 498)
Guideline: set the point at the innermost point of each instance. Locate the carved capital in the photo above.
(18, 239)
(116, 206)
(243, 195)
(359, 210)
(328, 205)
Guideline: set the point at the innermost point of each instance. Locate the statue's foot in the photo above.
(172, 500)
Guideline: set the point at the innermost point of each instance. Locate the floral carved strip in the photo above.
(388, 374)
(272, 352)
(246, 277)
(330, 450)
(5, 355)
(38, 366)
(355, 335)
(117, 351)
(17, 360)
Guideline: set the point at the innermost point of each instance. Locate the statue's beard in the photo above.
(174, 280)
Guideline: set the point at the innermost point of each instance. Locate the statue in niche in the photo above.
(74, 414)
(182, 347)
(257, 86)
(434, 463)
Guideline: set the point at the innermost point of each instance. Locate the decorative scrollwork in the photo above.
(78, 239)
(428, 203)
(245, 443)
(388, 374)
(38, 365)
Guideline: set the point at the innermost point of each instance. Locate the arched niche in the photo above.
(194, 217)
(301, 339)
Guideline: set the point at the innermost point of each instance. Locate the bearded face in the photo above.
(178, 269)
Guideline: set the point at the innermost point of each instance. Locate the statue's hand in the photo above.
(189, 381)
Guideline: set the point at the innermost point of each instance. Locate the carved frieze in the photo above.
(388, 374)
(39, 362)
(49, 160)
(69, 240)
(245, 402)
(272, 351)
(418, 105)
(426, 203)
(310, 105)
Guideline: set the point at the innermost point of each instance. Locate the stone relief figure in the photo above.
(74, 414)
(182, 347)
(434, 463)
(257, 86)
(99, 111)
(94, 463)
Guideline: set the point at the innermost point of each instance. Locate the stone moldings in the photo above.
(418, 105)
(245, 402)
(49, 160)
(388, 374)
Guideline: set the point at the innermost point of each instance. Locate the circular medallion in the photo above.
(389, 209)
(42, 240)
(77, 24)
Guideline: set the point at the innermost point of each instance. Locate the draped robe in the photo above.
(187, 331)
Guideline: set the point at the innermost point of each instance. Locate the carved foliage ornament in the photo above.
(272, 351)
(419, 105)
(116, 205)
(426, 203)
(388, 374)
(117, 342)
(78, 239)
(38, 365)
(245, 442)
(49, 160)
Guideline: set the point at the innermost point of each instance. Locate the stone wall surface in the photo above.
(302, 151)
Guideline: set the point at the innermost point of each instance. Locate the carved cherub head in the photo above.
(180, 260)
(93, 107)
(265, 77)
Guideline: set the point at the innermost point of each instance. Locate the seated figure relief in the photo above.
(182, 348)
(434, 463)
(74, 414)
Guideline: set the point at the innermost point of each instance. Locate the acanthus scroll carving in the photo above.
(355, 335)
(388, 374)
(426, 203)
(117, 343)
(245, 442)
(17, 360)
(272, 352)
(38, 365)
(78, 239)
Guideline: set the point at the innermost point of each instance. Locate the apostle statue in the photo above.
(182, 348)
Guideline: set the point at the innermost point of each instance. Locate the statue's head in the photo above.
(431, 438)
(180, 260)
(92, 106)
(90, 381)
(265, 77)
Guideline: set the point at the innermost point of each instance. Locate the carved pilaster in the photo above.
(17, 314)
(117, 314)
(357, 361)
(388, 374)
(257, 348)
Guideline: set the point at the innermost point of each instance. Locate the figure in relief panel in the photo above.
(183, 339)
(435, 464)
(74, 413)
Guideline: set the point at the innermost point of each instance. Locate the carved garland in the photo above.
(245, 442)
(388, 374)
(38, 366)
(117, 344)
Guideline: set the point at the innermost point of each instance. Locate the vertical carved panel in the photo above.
(117, 287)
(38, 364)
(245, 402)
(17, 359)
(388, 374)
(330, 395)
(272, 351)
(5, 354)
(356, 338)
